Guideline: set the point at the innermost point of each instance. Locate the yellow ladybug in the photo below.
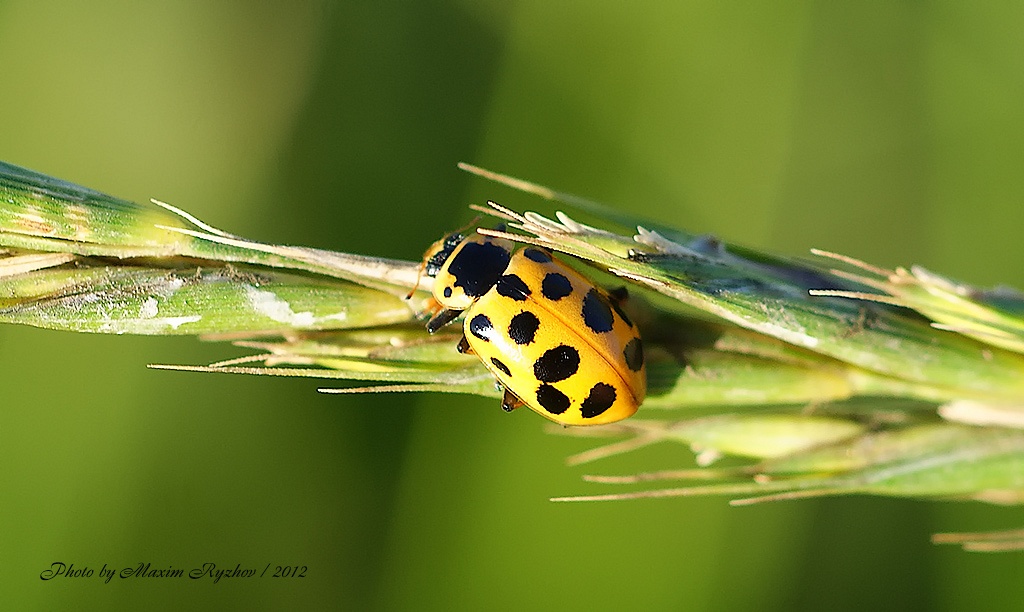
(554, 341)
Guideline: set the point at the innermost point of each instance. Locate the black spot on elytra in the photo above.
(513, 287)
(537, 255)
(601, 398)
(523, 327)
(597, 314)
(481, 327)
(555, 286)
(477, 266)
(634, 354)
(447, 292)
(501, 366)
(552, 400)
(557, 364)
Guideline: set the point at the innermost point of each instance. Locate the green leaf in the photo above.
(787, 378)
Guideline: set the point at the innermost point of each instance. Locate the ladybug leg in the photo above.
(464, 347)
(442, 318)
(616, 297)
(510, 402)
(619, 294)
(419, 275)
(431, 307)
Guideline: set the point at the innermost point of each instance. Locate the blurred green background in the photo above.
(890, 131)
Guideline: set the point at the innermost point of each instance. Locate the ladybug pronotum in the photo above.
(553, 340)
